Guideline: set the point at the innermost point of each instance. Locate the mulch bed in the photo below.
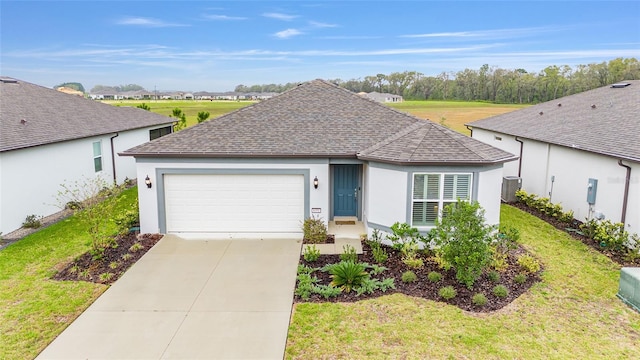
(115, 260)
(615, 256)
(423, 287)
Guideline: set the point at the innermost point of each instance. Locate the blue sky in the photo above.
(216, 45)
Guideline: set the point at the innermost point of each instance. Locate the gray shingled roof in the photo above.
(51, 116)
(611, 127)
(319, 119)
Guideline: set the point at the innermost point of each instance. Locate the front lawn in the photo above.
(33, 308)
(572, 313)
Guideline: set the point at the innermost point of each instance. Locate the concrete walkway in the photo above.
(191, 299)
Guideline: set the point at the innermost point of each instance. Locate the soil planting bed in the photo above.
(423, 287)
(115, 261)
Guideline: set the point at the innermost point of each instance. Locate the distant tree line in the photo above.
(489, 83)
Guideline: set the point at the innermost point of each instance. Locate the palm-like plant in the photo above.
(348, 275)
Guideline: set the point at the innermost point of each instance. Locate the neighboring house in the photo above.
(383, 97)
(315, 150)
(568, 144)
(48, 137)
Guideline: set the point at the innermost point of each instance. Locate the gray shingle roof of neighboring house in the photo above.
(33, 115)
(605, 120)
(319, 119)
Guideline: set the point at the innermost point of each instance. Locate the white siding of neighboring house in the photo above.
(31, 178)
(572, 169)
(148, 198)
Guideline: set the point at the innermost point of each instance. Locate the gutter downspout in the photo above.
(113, 159)
(627, 180)
(470, 130)
(520, 157)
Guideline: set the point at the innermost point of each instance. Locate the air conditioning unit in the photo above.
(510, 184)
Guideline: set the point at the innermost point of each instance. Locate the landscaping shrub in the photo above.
(447, 292)
(314, 230)
(369, 285)
(32, 222)
(479, 299)
(494, 276)
(463, 239)
(545, 206)
(311, 253)
(349, 254)
(500, 291)
(403, 233)
(326, 291)
(611, 235)
(380, 254)
(434, 276)
(520, 278)
(529, 264)
(498, 260)
(376, 269)
(409, 276)
(348, 275)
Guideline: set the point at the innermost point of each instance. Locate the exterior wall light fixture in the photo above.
(315, 182)
(147, 181)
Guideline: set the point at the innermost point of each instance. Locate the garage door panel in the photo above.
(234, 203)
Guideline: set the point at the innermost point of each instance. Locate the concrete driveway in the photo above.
(191, 299)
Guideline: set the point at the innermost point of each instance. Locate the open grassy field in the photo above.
(189, 107)
(453, 114)
(572, 314)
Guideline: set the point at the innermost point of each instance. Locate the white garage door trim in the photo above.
(233, 203)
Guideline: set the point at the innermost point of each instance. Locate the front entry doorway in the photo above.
(345, 190)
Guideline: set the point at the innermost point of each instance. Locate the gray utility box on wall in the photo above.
(510, 184)
(629, 291)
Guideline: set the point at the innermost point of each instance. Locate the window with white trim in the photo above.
(432, 192)
(97, 156)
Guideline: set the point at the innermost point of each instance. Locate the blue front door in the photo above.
(345, 190)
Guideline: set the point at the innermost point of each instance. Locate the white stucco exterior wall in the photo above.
(488, 194)
(387, 195)
(148, 198)
(31, 178)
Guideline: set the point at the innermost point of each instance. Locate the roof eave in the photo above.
(436, 163)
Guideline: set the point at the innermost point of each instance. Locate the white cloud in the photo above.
(321, 24)
(224, 17)
(146, 22)
(285, 34)
(487, 34)
(280, 16)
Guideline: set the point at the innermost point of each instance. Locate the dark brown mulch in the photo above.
(330, 240)
(572, 229)
(423, 287)
(115, 260)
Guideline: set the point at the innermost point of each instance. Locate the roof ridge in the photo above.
(458, 140)
(389, 139)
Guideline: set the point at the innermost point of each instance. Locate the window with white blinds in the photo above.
(431, 192)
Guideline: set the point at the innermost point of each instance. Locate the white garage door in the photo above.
(234, 203)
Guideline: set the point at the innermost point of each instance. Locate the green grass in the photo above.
(189, 107)
(454, 114)
(572, 313)
(33, 308)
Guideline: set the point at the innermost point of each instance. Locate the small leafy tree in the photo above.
(464, 239)
(181, 123)
(202, 116)
(144, 106)
(96, 200)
